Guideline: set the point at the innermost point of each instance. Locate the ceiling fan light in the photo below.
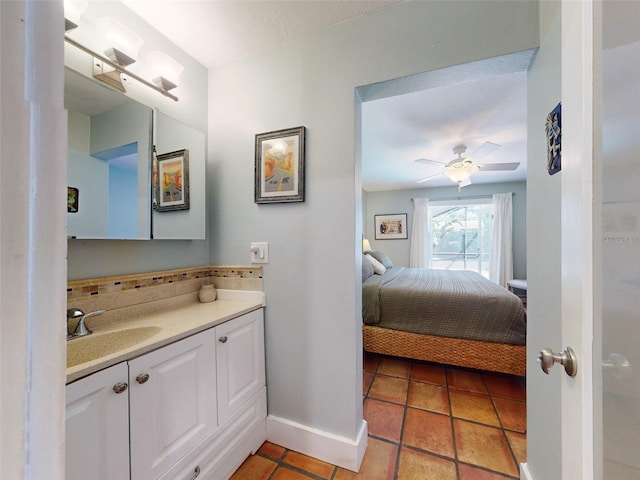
(460, 172)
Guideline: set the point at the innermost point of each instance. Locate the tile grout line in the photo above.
(504, 430)
(281, 463)
(451, 422)
(404, 419)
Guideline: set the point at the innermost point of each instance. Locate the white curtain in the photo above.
(420, 252)
(501, 265)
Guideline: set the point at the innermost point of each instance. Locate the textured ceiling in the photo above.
(217, 32)
(425, 123)
(430, 123)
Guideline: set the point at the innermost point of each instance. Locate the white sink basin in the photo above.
(97, 345)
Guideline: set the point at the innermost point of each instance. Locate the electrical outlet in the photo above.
(259, 252)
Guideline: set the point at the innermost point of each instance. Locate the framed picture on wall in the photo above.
(172, 188)
(391, 226)
(279, 170)
(72, 200)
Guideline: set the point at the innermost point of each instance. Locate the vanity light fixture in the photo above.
(123, 42)
(73, 10)
(123, 50)
(165, 70)
(118, 68)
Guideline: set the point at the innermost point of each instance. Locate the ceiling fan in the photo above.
(460, 169)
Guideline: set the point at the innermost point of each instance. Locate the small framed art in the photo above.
(391, 226)
(172, 190)
(279, 167)
(72, 199)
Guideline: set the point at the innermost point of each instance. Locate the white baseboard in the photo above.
(334, 449)
(524, 472)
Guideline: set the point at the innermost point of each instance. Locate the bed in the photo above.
(450, 317)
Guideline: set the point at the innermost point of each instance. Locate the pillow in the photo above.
(382, 258)
(367, 268)
(377, 266)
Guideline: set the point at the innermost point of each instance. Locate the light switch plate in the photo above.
(259, 252)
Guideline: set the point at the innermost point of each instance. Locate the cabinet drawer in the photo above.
(220, 455)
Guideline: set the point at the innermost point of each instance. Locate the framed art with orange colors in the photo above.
(279, 168)
(171, 183)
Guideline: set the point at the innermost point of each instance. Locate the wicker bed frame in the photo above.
(494, 357)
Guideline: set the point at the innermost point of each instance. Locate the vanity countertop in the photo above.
(158, 328)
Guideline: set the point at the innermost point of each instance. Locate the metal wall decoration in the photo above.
(553, 130)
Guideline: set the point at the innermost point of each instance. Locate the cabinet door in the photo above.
(172, 403)
(240, 360)
(97, 426)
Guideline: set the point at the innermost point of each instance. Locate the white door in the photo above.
(172, 403)
(600, 238)
(579, 267)
(620, 392)
(240, 361)
(97, 426)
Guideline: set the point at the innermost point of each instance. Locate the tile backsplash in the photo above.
(143, 293)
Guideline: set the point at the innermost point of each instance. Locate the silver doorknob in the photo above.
(567, 358)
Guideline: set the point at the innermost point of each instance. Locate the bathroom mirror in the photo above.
(111, 140)
(109, 162)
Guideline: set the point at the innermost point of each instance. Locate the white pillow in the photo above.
(377, 266)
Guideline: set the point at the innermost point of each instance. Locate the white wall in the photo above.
(32, 238)
(123, 218)
(543, 253)
(89, 175)
(313, 330)
(399, 201)
(126, 124)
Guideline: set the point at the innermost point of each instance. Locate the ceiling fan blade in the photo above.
(492, 167)
(483, 150)
(465, 183)
(426, 160)
(429, 177)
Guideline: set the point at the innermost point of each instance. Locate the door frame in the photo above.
(580, 250)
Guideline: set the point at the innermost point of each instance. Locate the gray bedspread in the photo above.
(458, 304)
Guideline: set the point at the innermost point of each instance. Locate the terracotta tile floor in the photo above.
(425, 422)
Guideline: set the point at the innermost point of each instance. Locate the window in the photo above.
(461, 234)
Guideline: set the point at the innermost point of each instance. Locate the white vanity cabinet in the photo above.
(240, 361)
(97, 426)
(195, 409)
(172, 403)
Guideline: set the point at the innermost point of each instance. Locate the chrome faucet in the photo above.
(81, 328)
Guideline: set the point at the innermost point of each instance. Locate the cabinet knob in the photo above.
(142, 378)
(196, 472)
(120, 387)
(223, 339)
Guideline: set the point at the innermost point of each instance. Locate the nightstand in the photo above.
(519, 287)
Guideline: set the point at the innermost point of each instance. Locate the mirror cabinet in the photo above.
(111, 142)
